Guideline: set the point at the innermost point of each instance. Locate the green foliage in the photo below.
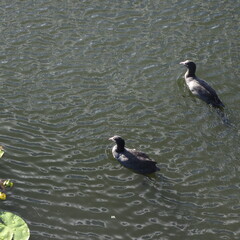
(1, 151)
(12, 227)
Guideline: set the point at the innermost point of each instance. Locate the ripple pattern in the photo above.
(74, 73)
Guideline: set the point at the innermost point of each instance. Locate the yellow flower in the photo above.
(3, 196)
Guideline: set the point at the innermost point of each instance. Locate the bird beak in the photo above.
(182, 63)
(111, 139)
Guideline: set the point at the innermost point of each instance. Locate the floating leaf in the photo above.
(1, 151)
(12, 227)
(5, 234)
(8, 183)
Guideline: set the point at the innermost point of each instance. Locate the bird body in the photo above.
(199, 87)
(133, 159)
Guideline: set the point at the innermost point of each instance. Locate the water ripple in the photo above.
(74, 74)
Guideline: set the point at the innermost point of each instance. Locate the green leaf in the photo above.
(5, 234)
(12, 227)
(1, 151)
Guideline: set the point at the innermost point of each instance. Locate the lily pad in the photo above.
(12, 227)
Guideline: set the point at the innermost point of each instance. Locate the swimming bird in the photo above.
(199, 87)
(139, 162)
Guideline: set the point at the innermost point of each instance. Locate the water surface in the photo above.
(74, 73)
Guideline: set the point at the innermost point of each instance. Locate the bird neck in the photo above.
(120, 148)
(190, 73)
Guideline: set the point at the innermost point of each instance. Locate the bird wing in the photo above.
(141, 155)
(205, 91)
(207, 87)
(137, 161)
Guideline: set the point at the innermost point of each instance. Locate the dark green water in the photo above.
(74, 73)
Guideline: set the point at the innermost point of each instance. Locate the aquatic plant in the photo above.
(13, 227)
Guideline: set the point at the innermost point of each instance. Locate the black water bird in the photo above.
(139, 162)
(199, 87)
